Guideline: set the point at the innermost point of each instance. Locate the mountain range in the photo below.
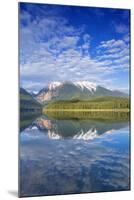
(74, 90)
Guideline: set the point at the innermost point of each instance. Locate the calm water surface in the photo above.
(61, 156)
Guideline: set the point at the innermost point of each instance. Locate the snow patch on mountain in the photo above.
(54, 85)
(86, 84)
(81, 84)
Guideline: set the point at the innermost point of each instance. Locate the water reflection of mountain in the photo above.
(77, 129)
(77, 125)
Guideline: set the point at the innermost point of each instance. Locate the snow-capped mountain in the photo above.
(81, 84)
(74, 90)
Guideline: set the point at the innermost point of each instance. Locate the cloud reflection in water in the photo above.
(72, 164)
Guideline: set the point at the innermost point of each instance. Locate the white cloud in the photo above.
(121, 28)
(112, 44)
(53, 50)
(117, 51)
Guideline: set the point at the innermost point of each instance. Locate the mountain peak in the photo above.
(81, 84)
(86, 84)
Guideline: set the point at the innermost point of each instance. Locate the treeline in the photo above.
(97, 103)
(100, 116)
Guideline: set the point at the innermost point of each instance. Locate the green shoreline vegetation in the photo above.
(103, 108)
(100, 104)
(86, 110)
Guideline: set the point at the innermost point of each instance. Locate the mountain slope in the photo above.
(28, 104)
(75, 90)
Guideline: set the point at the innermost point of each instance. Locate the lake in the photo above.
(65, 153)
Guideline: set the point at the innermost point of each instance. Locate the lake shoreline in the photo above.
(86, 110)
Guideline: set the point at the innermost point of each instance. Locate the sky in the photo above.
(71, 43)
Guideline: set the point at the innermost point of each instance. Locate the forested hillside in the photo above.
(28, 104)
(99, 103)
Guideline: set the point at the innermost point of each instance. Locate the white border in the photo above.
(9, 98)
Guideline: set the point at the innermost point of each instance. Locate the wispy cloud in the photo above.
(121, 28)
(106, 163)
(53, 49)
(117, 51)
(58, 58)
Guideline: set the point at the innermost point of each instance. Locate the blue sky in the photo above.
(69, 43)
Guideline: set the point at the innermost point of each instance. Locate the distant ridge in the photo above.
(27, 103)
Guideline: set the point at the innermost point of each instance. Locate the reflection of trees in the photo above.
(26, 120)
(120, 116)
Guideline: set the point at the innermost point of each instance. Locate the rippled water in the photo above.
(73, 156)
